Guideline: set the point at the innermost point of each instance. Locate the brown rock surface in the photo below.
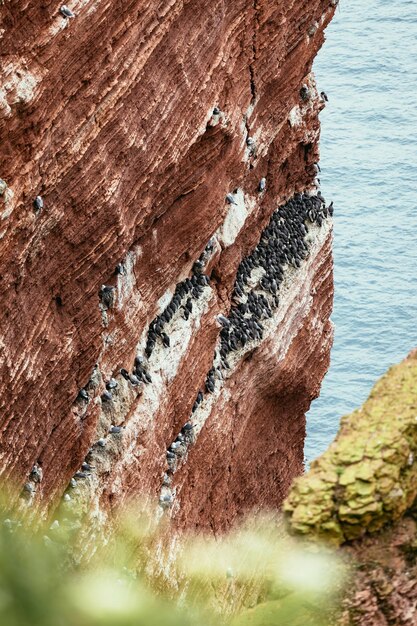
(385, 589)
(108, 116)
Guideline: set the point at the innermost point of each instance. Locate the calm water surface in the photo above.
(368, 67)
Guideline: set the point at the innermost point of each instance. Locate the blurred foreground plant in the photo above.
(253, 576)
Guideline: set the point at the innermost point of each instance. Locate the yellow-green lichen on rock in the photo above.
(368, 476)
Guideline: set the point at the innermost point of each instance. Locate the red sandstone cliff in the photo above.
(108, 117)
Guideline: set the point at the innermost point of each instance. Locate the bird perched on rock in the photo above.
(28, 488)
(146, 377)
(36, 474)
(107, 295)
(80, 475)
(120, 269)
(66, 12)
(38, 204)
(198, 267)
(230, 199)
(200, 397)
(223, 321)
(83, 395)
(166, 501)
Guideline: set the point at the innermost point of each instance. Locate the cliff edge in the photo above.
(361, 493)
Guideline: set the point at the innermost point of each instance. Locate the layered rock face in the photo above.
(133, 121)
(361, 495)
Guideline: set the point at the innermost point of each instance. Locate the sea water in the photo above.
(368, 68)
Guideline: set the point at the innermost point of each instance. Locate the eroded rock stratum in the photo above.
(361, 495)
(133, 121)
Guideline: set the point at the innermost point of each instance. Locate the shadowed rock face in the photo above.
(110, 118)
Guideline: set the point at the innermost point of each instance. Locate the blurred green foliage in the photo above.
(141, 577)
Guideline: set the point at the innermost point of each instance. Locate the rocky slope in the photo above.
(123, 129)
(361, 495)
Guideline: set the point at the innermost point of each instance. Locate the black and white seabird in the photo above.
(165, 340)
(36, 474)
(83, 395)
(223, 321)
(66, 12)
(106, 396)
(106, 295)
(81, 475)
(120, 269)
(38, 204)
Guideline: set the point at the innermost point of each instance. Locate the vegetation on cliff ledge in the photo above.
(248, 578)
(368, 476)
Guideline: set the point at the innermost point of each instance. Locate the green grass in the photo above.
(251, 577)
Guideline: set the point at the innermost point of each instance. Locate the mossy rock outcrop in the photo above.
(368, 476)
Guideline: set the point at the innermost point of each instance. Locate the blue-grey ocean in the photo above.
(368, 68)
